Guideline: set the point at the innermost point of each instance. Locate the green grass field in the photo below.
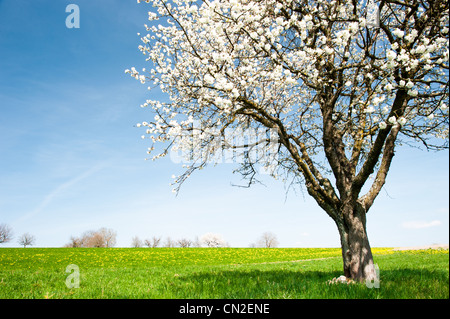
(204, 273)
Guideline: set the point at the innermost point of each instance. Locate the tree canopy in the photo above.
(314, 71)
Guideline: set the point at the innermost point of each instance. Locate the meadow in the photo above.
(215, 273)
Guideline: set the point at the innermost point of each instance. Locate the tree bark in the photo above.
(356, 252)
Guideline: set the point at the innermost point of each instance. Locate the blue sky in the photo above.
(72, 160)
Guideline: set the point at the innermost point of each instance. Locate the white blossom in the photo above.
(208, 79)
(392, 120)
(391, 55)
(389, 87)
(413, 92)
(398, 33)
(370, 109)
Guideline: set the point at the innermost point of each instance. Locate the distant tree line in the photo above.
(207, 240)
(267, 240)
(105, 238)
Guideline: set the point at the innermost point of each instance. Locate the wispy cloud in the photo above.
(59, 190)
(420, 224)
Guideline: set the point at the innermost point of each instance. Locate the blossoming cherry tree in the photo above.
(339, 92)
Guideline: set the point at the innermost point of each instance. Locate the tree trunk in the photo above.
(356, 252)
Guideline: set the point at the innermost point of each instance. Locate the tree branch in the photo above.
(368, 199)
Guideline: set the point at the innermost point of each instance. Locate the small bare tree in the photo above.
(197, 243)
(93, 239)
(136, 242)
(109, 236)
(169, 243)
(268, 240)
(26, 240)
(74, 242)
(184, 243)
(153, 243)
(6, 233)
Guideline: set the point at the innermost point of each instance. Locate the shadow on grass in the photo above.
(307, 284)
(256, 283)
